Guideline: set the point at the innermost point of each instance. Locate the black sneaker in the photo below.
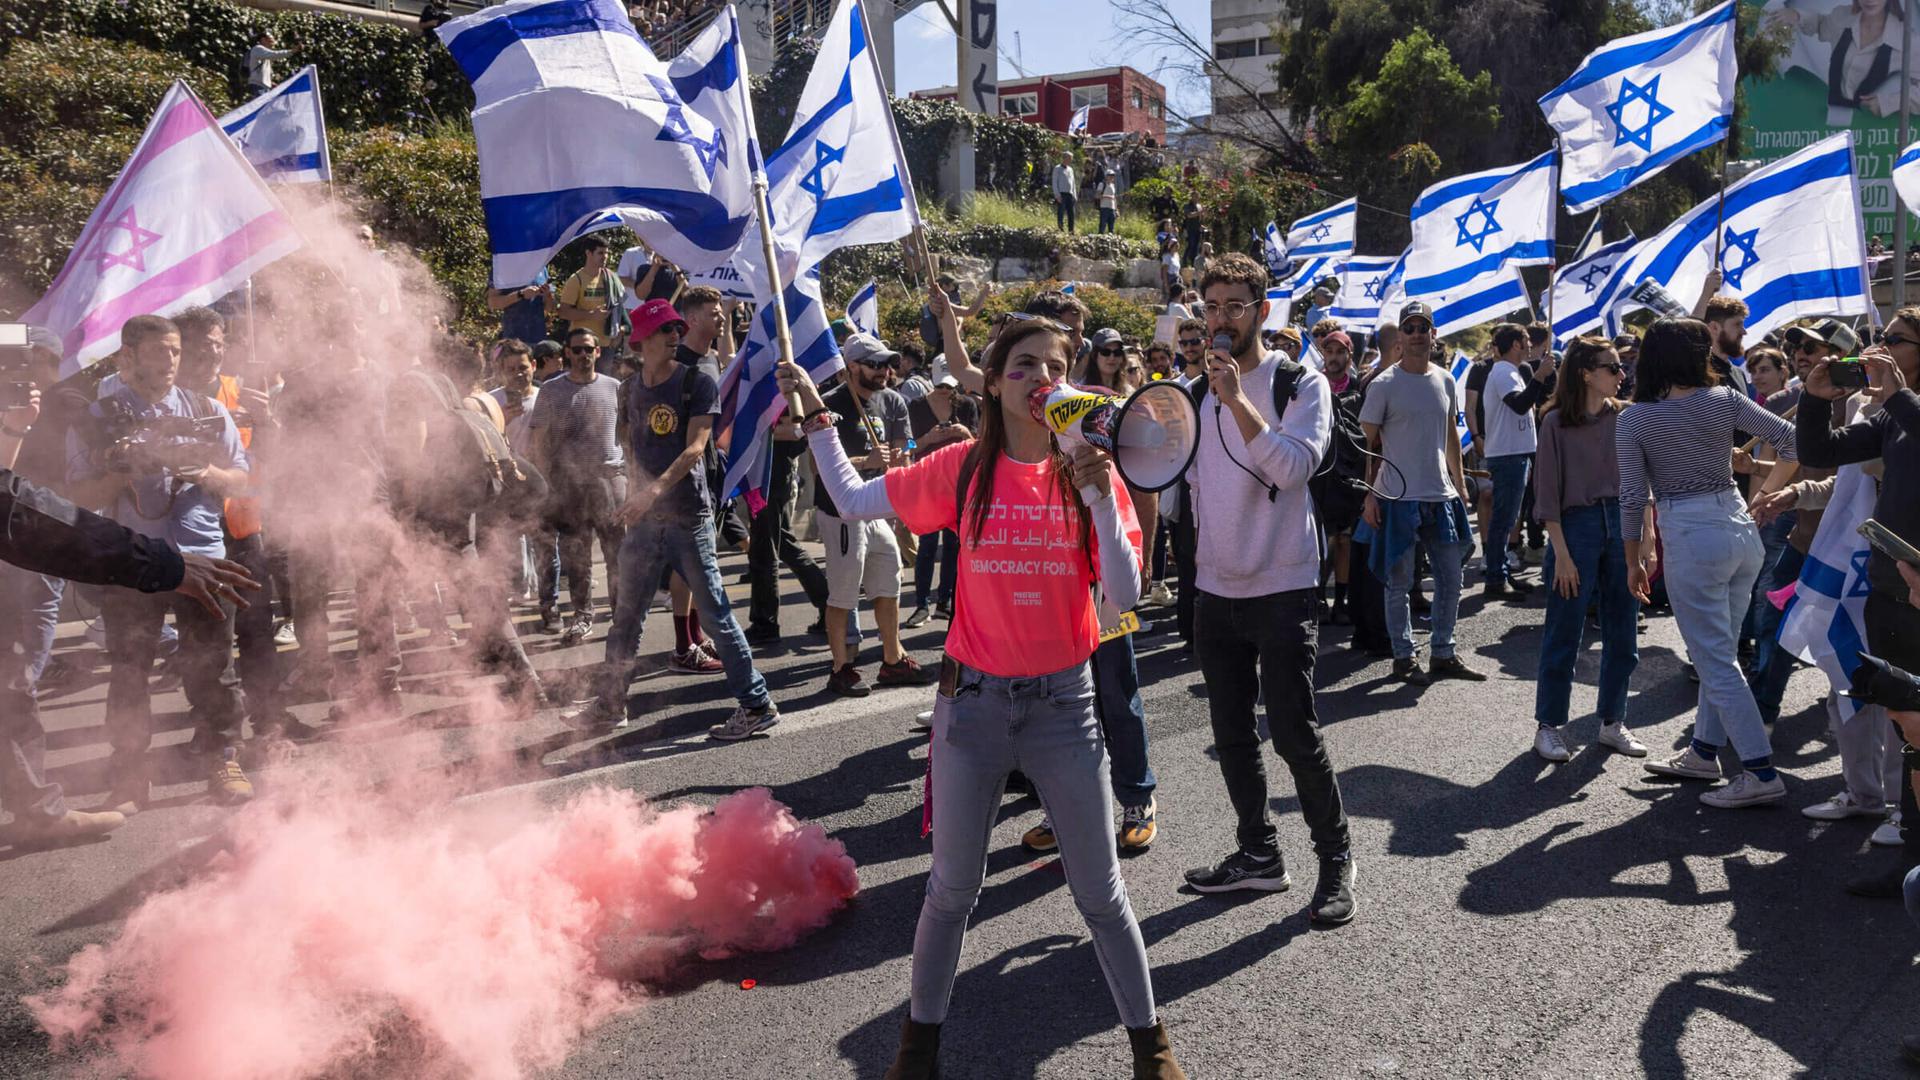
(1242, 871)
(763, 634)
(1888, 884)
(921, 616)
(1333, 903)
(1519, 590)
(1450, 667)
(1408, 671)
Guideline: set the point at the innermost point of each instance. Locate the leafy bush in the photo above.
(900, 312)
(371, 73)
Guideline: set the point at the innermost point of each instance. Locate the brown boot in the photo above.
(1152, 1057)
(919, 1056)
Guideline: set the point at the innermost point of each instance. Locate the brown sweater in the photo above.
(1575, 466)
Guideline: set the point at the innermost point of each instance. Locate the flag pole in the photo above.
(919, 235)
(1720, 206)
(1553, 235)
(1900, 209)
(762, 210)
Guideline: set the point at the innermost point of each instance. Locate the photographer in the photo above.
(43, 534)
(163, 459)
(1893, 434)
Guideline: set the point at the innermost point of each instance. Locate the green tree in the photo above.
(1417, 120)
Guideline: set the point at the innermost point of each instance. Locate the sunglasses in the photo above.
(1615, 368)
(1113, 350)
(1811, 347)
(583, 350)
(1900, 339)
(1193, 341)
(1422, 327)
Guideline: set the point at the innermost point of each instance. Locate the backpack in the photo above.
(474, 469)
(1338, 485)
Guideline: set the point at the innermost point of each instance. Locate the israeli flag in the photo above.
(283, 132)
(576, 118)
(1067, 289)
(863, 311)
(1394, 296)
(1466, 228)
(1639, 104)
(1906, 176)
(1824, 621)
(1462, 368)
(1302, 281)
(750, 400)
(1363, 285)
(1577, 289)
(1792, 243)
(1279, 307)
(1078, 125)
(1483, 300)
(1327, 232)
(1275, 247)
(839, 180)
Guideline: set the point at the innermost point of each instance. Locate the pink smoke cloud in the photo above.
(481, 943)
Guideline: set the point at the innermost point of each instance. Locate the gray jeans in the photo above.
(1713, 555)
(1046, 727)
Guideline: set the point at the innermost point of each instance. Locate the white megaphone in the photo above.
(1152, 434)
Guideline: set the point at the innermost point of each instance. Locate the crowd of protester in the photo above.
(1679, 471)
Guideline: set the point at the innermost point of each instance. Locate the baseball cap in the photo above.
(946, 382)
(543, 350)
(1106, 336)
(1835, 335)
(651, 316)
(867, 349)
(1339, 336)
(1415, 310)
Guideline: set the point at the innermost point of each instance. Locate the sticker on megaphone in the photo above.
(1152, 434)
(1074, 413)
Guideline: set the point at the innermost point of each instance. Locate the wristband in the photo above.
(818, 420)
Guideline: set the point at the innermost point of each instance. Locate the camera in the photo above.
(16, 379)
(1876, 682)
(1848, 374)
(150, 444)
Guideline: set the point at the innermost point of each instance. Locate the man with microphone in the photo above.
(1264, 427)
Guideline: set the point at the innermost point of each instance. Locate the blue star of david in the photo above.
(1630, 92)
(1320, 231)
(1595, 276)
(1376, 288)
(815, 182)
(1742, 243)
(711, 152)
(139, 240)
(1477, 239)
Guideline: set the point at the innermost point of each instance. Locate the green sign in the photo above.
(1841, 72)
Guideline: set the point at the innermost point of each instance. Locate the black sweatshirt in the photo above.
(1892, 434)
(46, 534)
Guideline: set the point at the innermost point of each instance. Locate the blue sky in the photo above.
(1055, 36)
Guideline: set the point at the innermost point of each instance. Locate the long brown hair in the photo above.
(1569, 393)
(984, 458)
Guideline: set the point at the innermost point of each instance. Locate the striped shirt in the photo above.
(1683, 446)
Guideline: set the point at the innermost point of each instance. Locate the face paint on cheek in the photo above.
(1015, 376)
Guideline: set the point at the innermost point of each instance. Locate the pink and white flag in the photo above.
(185, 223)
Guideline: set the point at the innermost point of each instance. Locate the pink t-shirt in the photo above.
(1024, 603)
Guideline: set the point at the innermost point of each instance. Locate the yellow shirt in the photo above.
(586, 292)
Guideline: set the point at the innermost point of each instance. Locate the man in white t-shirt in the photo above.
(1513, 390)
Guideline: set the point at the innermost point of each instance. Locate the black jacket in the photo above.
(1893, 435)
(49, 535)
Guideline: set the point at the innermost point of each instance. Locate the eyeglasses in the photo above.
(1051, 324)
(583, 350)
(1232, 309)
(1193, 341)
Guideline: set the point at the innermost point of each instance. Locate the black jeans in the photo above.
(1893, 633)
(206, 661)
(1366, 601)
(259, 664)
(583, 507)
(772, 543)
(1184, 539)
(1279, 633)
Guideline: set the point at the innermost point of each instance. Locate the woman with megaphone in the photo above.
(1038, 527)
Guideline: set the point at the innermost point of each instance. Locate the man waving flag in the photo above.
(283, 132)
(1639, 104)
(1465, 230)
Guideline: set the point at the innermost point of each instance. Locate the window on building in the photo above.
(1139, 100)
(1270, 46)
(1020, 104)
(1236, 50)
(1095, 96)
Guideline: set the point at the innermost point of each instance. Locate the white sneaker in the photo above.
(745, 723)
(1841, 807)
(1687, 765)
(1746, 790)
(1158, 596)
(1888, 834)
(283, 634)
(1550, 744)
(1620, 740)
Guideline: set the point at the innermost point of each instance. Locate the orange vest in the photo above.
(242, 511)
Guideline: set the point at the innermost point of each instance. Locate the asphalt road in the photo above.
(1516, 919)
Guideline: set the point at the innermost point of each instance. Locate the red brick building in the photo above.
(1122, 99)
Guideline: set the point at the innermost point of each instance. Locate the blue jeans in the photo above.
(1123, 720)
(1912, 889)
(1599, 554)
(1509, 490)
(651, 547)
(1772, 665)
(1446, 594)
(1044, 726)
(1713, 555)
(941, 549)
(1758, 627)
(40, 606)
